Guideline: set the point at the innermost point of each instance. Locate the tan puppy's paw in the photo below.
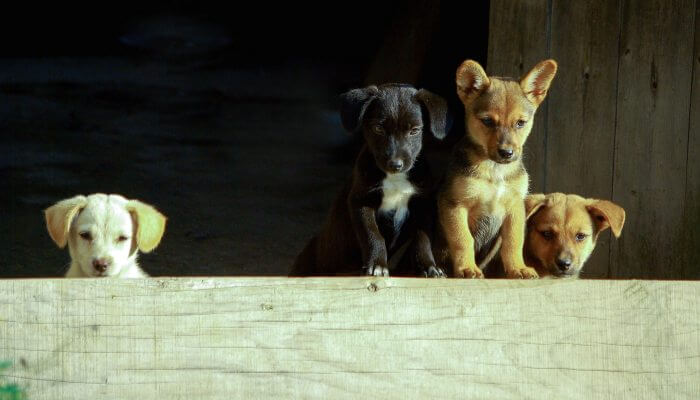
(470, 273)
(522, 273)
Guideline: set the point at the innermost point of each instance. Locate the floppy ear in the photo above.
(534, 202)
(353, 106)
(150, 224)
(471, 80)
(60, 216)
(536, 83)
(438, 112)
(607, 214)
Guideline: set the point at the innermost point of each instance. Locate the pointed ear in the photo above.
(471, 80)
(533, 202)
(606, 214)
(353, 106)
(438, 112)
(536, 83)
(60, 216)
(150, 224)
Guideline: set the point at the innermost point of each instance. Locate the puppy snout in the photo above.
(100, 264)
(563, 263)
(396, 165)
(505, 153)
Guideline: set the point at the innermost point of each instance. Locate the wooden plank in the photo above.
(350, 338)
(653, 101)
(581, 118)
(518, 39)
(691, 248)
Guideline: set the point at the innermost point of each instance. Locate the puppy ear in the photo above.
(438, 112)
(60, 216)
(353, 106)
(471, 80)
(150, 224)
(606, 214)
(533, 202)
(536, 83)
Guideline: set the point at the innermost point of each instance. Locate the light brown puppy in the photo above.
(562, 230)
(486, 182)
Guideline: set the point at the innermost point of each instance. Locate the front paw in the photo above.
(522, 273)
(473, 272)
(376, 270)
(434, 272)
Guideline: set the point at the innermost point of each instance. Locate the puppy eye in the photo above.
(547, 235)
(378, 129)
(122, 238)
(86, 235)
(488, 122)
(580, 237)
(415, 131)
(520, 123)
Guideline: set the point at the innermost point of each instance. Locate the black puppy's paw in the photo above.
(434, 272)
(376, 270)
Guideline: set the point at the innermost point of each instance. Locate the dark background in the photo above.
(223, 117)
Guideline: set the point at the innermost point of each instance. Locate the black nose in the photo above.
(396, 165)
(563, 263)
(505, 153)
(100, 264)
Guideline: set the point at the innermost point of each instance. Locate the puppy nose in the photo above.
(505, 153)
(100, 264)
(396, 165)
(563, 263)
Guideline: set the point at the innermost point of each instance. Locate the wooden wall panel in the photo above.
(651, 146)
(518, 41)
(581, 117)
(690, 268)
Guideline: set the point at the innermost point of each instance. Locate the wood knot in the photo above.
(372, 287)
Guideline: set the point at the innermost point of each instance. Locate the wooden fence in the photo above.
(621, 122)
(394, 338)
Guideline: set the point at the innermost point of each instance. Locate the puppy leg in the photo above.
(454, 221)
(371, 241)
(513, 239)
(423, 256)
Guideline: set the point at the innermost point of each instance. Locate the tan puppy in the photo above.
(486, 182)
(104, 234)
(562, 230)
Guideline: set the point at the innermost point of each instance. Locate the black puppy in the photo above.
(386, 204)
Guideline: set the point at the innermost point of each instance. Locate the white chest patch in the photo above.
(396, 192)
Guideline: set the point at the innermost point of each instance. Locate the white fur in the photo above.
(396, 192)
(112, 235)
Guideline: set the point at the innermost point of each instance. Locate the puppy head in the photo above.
(104, 232)
(562, 230)
(500, 112)
(392, 119)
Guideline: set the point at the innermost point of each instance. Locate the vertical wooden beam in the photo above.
(691, 247)
(581, 117)
(653, 101)
(518, 39)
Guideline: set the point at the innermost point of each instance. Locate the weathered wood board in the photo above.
(350, 338)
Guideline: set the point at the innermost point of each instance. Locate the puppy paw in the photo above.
(522, 273)
(434, 272)
(470, 273)
(376, 270)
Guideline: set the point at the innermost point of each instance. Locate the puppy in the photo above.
(104, 234)
(562, 230)
(376, 212)
(486, 182)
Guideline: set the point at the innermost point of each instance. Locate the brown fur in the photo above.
(484, 190)
(554, 222)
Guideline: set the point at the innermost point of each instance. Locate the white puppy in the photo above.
(104, 234)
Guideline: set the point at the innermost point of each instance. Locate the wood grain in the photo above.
(350, 338)
(651, 144)
(582, 108)
(518, 39)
